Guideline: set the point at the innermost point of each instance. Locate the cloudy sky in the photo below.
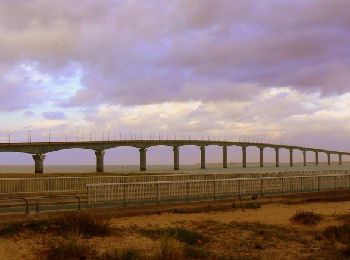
(277, 70)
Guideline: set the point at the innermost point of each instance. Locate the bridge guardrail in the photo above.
(61, 184)
(179, 191)
(57, 197)
(18, 199)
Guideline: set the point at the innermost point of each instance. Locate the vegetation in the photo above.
(180, 233)
(83, 223)
(61, 249)
(124, 254)
(340, 233)
(78, 235)
(306, 218)
(77, 223)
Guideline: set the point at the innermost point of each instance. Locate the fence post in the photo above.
(335, 182)
(262, 187)
(158, 195)
(239, 188)
(124, 195)
(301, 184)
(318, 183)
(282, 185)
(214, 188)
(187, 192)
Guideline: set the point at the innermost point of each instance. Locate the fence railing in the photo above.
(191, 190)
(61, 184)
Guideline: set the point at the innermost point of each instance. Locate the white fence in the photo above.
(177, 191)
(61, 184)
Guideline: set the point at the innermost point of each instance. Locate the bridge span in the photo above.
(39, 150)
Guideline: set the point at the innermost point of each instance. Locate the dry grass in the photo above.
(212, 235)
(62, 249)
(306, 218)
(78, 223)
(179, 233)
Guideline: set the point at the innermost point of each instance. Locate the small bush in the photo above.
(124, 254)
(180, 233)
(67, 249)
(170, 249)
(83, 223)
(252, 205)
(306, 218)
(11, 229)
(37, 225)
(339, 233)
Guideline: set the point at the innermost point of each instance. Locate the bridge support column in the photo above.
(261, 156)
(304, 157)
(277, 150)
(100, 160)
(224, 156)
(202, 157)
(143, 161)
(329, 158)
(176, 158)
(291, 157)
(316, 158)
(244, 157)
(340, 159)
(39, 162)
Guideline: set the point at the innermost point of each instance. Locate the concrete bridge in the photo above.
(40, 149)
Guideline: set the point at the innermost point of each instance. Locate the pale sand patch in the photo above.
(276, 214)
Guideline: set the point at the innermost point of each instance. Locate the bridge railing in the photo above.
(192, 190)
(62, 184)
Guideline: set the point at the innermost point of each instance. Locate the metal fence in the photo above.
(191, 190)
(62, 184)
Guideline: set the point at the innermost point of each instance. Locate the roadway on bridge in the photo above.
(27, 170)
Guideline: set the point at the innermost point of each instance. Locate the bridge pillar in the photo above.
(277, 150)
(340, 159)
(291, 157)
(261, 156)
(176, 158)
(224, 156)
(244, 156)
(100, 160)
(202, 157)
(143, 162)
(316, 158)
(329, 158)
(39, 162)
(304, 157)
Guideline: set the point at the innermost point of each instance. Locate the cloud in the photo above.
(192, 50)
(54, 115)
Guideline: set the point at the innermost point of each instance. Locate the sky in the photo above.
(274, 71)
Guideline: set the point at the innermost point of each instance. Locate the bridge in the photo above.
(39, 150)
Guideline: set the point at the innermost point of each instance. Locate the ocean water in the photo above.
(210, 168)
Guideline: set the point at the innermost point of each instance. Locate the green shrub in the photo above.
(124, 254)
(180, 233)
(252, 205)
(67, 249)
(83, 223)
(306, 218)
(170, 249)
(339, 233)
(11, 229)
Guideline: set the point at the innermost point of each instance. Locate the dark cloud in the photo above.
(142, 52)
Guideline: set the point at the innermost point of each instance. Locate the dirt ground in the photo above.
(264, 232)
